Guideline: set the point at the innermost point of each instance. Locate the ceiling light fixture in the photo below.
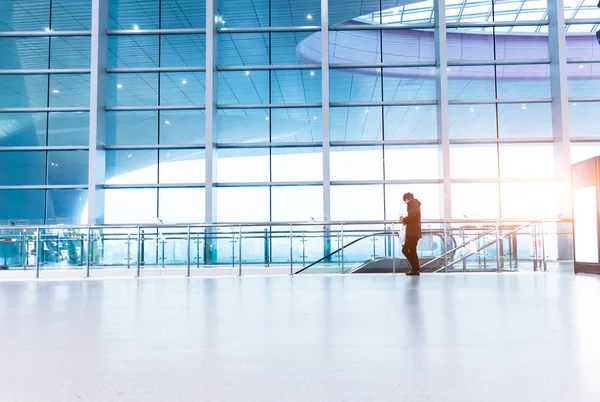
(136, 28)
(119, 86)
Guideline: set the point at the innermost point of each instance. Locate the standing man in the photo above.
(413, 232)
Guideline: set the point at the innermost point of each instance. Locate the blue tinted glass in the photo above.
(182, 50)
(406, 84)
(244, 13)
(132, 89)
(523, 81)
(22, 129)
(354, 47)
(295, 48)
(22, 205)
(243, 87)
(182, 126)
(70, 52)
(295, 13)
(243, 49)
(67, 167)
(183, 14)
(132, 128)
(408, 45)
(69, 90)
(355, 85)
(243, 125)
(182, 88)
(34, 16)
(133, 51)
(355, 123)
(24, 90)
(472, 121)
(410, 122)
(296, 125)
(532, 120)
(584, 79)
(295, 86)
(68, 128)
(22, 168)
(132, 167)
(71, 14)
(471, 82)
(65, 206)
(19, 53)
(581, 123)
(125, 14)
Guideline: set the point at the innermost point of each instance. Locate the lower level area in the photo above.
(465, 337)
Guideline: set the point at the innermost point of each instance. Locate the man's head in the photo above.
(408, 197)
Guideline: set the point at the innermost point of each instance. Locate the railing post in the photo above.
(240, 252)
(37, 252)
(445, 247)
(128, 250)
(139, 252)
(393, 249)
(535, 252)
(544, 262)
(498, 251)
(87, 263)
(342, 248)
(291, 250)
(189, 252)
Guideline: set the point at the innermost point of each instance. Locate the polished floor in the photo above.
(462, 337)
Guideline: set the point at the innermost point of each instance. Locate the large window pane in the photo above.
(125, 206)
(411, 162)
(125, 14)
(243, 125)
(67, 167)
(243, 87)
(182, 166)
(132, 167)
(70, 52)
(410, 122)
(295, 86)
(348, 85)
(182, 126)
(472, 121)
(22, 206)
(295, 47)
(583, 151)
(71, 15)
(532, 120)
(243, 204)
(253, 13)
(21, 53)
(358, 47)
(65, 206)
(357, 203)
(407, 84)
(521, 161)
(297, 164)
(182, 88)
(22, 129)
(22, 168)
(132, 128)
(182, 50)
(356, 163)
(582, 119)
(474, 161)
(133, 51)
(24, 90)
(243, 165)
(296, 125)
(68, 90)
(34, 17)
(243, 49)
(132, 89)
(299, 203)
(181, 205)
(355, 123)
(584, 79)
(582, 46)
(471, 82)
(183, 14)
(427, 194)
(522, 200)
(523, 81)
(475, 201)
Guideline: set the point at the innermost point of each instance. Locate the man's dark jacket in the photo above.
(413, 219)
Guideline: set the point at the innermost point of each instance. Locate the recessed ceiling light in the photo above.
(184, 82)
(309, 17)
(581, 66)
(267, 118)
(314, 117)
(312, 73)
(136, 28)
(119, 86)
(247, 73)
(523, 106)
(55, 91)
(47, 30)
(366, 110)
(418, 108)
(574, 104)
(471, 109)
(447, 68)
(167, 122)
(130, 155)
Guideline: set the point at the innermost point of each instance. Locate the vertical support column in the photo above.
(560, 120)
(443, 127)
(325, 123)
(210, 193)
(97, 135)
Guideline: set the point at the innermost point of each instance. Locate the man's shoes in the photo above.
(413, 273)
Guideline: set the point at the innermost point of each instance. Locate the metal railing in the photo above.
(252, 248)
